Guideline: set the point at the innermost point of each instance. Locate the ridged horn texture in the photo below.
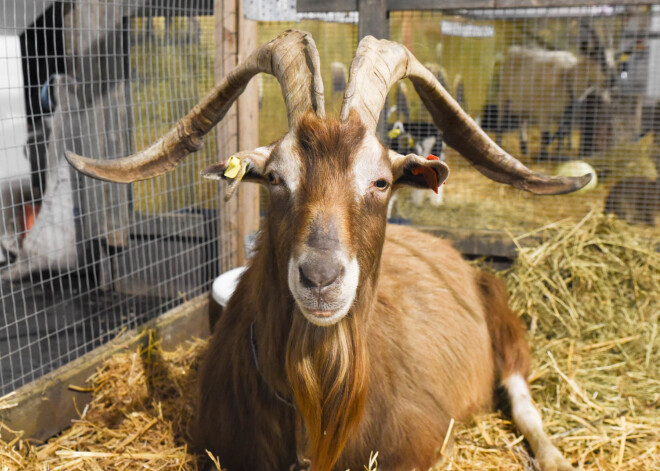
(292, 58)
(379, 64)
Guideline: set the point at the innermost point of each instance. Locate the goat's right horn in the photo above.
(379, 64)
(292, 58)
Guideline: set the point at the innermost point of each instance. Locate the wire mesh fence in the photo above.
(82, 260)
(568, 90)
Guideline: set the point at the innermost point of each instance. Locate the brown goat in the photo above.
(391, 374)
(344, 335)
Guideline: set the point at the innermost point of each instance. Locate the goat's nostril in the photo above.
(306, 282)
(319, 273)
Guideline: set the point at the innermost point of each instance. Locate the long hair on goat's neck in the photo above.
(273, 308)
(327, 370)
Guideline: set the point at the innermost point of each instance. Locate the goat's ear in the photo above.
(418, 172)
(247, 165)
(243, 166)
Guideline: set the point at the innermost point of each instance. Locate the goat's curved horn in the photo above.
(379, 64)
(292, 58)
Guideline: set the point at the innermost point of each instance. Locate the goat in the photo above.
(325, 351)
(543, 86)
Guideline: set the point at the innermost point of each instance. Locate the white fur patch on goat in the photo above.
(368, 166)
(528, 420)
(523, 410)
(288, 162)
(338, 304)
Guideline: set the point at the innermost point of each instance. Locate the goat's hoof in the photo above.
(551, 459)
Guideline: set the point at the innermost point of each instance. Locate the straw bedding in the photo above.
(590, 294)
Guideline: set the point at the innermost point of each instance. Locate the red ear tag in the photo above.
(429, 175)
(432, 157)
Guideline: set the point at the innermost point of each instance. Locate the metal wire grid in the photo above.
(600, 109)
(606, 119)
(116, 75)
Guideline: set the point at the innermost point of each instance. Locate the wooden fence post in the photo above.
(248, 129)
(235, 39)
(374, 21)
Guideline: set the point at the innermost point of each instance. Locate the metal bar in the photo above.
(373, 19)
(314, 6)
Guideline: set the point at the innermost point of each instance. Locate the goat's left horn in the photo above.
(292, 58)
(378, 64)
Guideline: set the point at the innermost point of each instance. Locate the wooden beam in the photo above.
(314, 6)
(236, 38)
(248, 134)
(374, 21)
(46, 406)
(226, 50)
(485, 243)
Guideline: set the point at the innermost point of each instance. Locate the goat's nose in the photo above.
(320, 271)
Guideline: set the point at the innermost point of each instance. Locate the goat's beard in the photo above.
(327, 370)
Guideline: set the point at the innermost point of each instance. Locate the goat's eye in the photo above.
(274, 178)
(382, 184)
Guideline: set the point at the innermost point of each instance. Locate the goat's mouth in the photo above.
(324, 304)
(325, 317)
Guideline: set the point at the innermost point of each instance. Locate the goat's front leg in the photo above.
(528, 420)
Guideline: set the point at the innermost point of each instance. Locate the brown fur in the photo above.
(507, 332)
(327, 369)
(416, 350)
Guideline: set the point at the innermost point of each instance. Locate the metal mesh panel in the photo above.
(82, 260)
(556, 86)
(566, 90)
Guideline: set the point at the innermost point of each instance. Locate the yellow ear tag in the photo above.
(236, 171)
(233, 167)
(394, 132)
(241, 174)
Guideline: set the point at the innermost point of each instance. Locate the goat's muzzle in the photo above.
(323, 283)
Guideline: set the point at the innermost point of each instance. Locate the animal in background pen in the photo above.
(558, 89)
(419, 137)
(635, 199)
(326, 351)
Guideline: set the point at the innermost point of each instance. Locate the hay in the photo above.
(138, 418)
(590, 294)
